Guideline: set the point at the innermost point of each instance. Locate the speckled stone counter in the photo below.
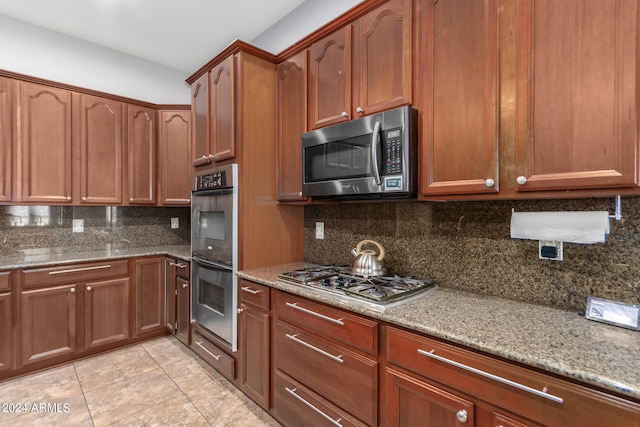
(43, 257)
(550, 339)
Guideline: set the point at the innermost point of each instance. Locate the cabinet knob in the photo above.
(69, 198)
(462, 416)
(345, 114)
(188, 200)
(489, 182)
(88, 288)
(522, 180)
(184, 285)
(84, 198)
(211, 156)
(204, 157)
(72, 290)
(131, 199)
(359, 110)
(300, 194)
(240, 310)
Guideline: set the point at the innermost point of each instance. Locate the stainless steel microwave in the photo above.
(367, 158)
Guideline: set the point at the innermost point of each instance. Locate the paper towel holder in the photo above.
(617, 206)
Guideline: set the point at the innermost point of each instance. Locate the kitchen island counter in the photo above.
(553, 340)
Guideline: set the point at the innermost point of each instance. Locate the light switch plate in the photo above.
(175, 222)
(613, 312)
(78, 226)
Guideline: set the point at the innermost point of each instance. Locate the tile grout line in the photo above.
(75, 371)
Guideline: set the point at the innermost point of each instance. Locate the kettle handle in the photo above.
(363, 242)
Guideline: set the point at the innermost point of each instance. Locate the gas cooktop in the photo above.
(377, 293)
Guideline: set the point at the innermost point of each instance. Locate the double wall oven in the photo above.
(214, 251)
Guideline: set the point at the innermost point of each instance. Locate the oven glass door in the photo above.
(212, 298)
(212, 225)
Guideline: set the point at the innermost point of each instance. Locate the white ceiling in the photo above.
(181, 34)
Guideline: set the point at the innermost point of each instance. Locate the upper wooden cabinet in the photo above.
(174, 164)
(291, 77)
(44, 139)
(200, 117)
(362, 68)
(141, 155)
(222, 99)
(460, 133)
(100, 144)
(577, 112)
(5, 139)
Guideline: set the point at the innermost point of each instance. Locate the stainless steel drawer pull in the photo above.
(251, 291)
(314, 348)
(542, 393)
(75, 270)
(199, 344)
(318, 411)
(313, 313)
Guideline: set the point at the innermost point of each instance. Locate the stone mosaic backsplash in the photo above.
(29, 229)
(467, 245)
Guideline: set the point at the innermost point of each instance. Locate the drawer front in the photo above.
(351, 329)
(254, 294)
(344, 377)
(215, 357)
(528, 393)
(5, 281)
(183, 269)
(74, 273)
(296, 405)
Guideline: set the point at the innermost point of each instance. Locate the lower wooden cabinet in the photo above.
(106, 312)
(177, 286)
(205, 345)
(7, 341)
(150, 294)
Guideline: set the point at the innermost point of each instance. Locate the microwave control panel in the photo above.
(393, 139)
(212, 181)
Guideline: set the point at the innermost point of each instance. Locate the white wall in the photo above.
(38, 52)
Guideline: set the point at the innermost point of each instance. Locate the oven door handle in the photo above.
(216, 192)
(375, 139)
(211, 264)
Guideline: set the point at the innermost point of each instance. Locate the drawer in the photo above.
(351, 329)
(5, 280)
(528, 393)
(74, 273)
(346, 378)
(183, 269)
(215, 357)
(254, 294)
(296, 405)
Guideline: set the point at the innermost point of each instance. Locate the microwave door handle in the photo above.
(375, 139)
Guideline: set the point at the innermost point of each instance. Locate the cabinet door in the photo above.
(330, 79)
(141, 159)
(292, 123)
(150, 291)
(222, 103)
(382, 58)
(200, 117)
(183, 312)
(254, 359)
(460, 152)
(175, 158)
(6, 147)
(45, 140)
(100, 145)
(106, 308)
(6, 337)
(49, 323)
(411, 402)
(171, 294)
(577, 112)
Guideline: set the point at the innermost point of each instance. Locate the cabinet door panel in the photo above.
(577, 107)
(6, 147)
(150, 305)
(100, 147)
(171, 293)
(183, 313)
(45, 142)
(382, 58)
(6, 327)
(330, 79)
(141, 159)
(461, 133)
(255, 360)
(222, 125)
(200, 117)
(106, 308)
(175, 158)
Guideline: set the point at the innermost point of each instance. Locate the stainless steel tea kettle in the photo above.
(367, 262)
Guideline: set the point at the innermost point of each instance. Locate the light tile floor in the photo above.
(156, 383)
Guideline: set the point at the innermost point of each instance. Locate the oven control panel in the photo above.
(212, 181)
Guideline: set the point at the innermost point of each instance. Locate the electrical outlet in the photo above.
(319, 230)
(550, 250)
(78, 226)
(175, 222)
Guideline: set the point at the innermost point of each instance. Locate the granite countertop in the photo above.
(550, 339)
(52, 256)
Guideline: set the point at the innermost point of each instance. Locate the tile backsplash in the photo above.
(27, 229)
(467, 245)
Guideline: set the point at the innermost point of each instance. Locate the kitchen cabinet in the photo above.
(6, 321)
(209, 348)
(178, 298)
(255, 341)
(106, 312)
(222, 115)
(291, 75)
(150, 294)
(200, 117)
(100, 144)
(460, 133)
(6, 146)
(141, 155)
(44, 144)
(347, 78)
(576, 95)
(174, 165)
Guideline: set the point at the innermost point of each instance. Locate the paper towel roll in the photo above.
(573, 227)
